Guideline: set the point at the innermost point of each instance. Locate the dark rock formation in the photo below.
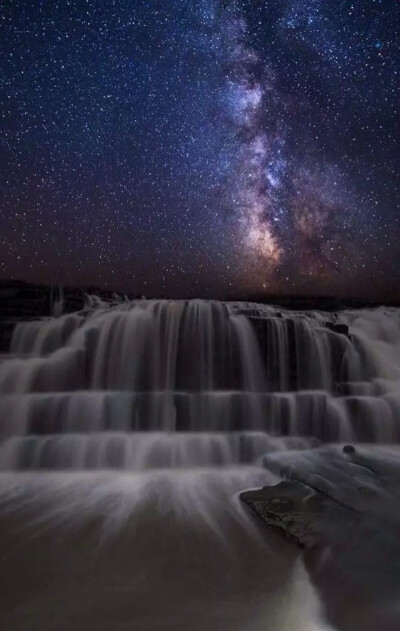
(341, 506)
(341, 329)
(366, 479)
(26, 301)
(295, 510)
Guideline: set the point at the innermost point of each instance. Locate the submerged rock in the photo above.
(349, 449)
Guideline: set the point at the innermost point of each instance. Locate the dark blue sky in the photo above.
(202, 147)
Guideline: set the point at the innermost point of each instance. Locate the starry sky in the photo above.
(202, 147)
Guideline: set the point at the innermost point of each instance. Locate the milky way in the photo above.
(225, 148)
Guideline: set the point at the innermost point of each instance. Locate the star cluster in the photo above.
(202, 147)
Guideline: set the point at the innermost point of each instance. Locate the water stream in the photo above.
(127, 431)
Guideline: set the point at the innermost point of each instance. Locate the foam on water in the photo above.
(155, 550)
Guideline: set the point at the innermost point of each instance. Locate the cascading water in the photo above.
(150, 416)
(97, 388)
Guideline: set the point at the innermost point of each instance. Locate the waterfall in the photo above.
(127, 431)
(56, 300)
(197, 383)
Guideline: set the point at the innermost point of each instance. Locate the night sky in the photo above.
(202, 147)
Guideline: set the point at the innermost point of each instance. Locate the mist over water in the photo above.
(128, 431)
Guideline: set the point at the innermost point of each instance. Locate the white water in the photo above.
(133, 426)
(88, 382)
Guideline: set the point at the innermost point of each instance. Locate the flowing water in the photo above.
(127, 431)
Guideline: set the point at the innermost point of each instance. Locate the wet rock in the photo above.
(20, 301)
(341, 329)
(342, 509)
(366, 479)
(290, 507)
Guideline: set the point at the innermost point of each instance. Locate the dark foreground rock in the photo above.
(362, 478)
(342, 507)
(303, 515)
